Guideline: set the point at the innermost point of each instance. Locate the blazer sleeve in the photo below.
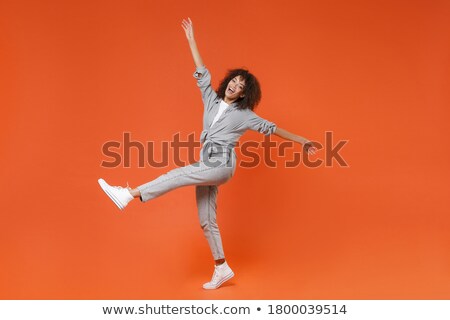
(256, 123)
(204, 83)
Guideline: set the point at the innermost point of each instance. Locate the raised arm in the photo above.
(189, 30)
(307, 145)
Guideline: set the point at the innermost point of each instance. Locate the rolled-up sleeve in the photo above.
(201, 74)
(204, 83)
(261, 125)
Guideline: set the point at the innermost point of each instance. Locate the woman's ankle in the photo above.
(218, 262)
(135, 192)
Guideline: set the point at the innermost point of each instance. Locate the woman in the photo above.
(228, 113)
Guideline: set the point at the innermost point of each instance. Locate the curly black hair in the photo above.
(252, 89)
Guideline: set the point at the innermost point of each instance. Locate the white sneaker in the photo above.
(221, 274)
(120, 196)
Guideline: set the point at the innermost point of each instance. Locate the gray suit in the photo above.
(217, 159)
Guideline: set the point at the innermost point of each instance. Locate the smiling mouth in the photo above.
(231, 90)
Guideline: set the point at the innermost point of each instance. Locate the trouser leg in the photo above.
(195, 174)
(207, 176)
(206, 197)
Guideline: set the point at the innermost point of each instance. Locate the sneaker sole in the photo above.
(104, 187)
(228, 277)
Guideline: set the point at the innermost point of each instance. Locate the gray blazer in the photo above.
(233, 122)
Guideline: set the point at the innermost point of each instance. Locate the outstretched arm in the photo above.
(189, 30)
(307, 145)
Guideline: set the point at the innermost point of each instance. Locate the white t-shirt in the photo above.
(222, 108)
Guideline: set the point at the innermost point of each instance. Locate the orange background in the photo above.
(76, 74)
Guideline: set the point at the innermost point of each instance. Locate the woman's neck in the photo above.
(228, 101)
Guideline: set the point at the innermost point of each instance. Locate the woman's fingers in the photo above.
(187, 24)
(309, 148)
(312, 150)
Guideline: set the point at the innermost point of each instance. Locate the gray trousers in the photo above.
(213, 169)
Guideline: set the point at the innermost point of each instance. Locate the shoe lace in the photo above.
(215, 276)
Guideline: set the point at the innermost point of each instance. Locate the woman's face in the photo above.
(235, 89)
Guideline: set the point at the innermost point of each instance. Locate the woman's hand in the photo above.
(188, 28)
(308, 146)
